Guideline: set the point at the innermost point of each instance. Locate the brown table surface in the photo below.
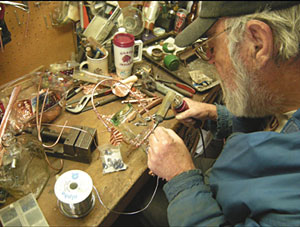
(116, 189)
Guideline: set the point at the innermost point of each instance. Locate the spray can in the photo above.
(180, 20)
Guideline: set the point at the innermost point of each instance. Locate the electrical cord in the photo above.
(203, 143)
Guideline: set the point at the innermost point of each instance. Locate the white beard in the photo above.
(251, 97)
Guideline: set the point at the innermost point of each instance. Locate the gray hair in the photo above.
(285, 24)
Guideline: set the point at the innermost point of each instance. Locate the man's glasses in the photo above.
(202, 48)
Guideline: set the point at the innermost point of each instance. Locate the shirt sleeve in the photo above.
(191, 202)
(221, 128)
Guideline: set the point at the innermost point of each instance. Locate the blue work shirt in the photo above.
(255, 181)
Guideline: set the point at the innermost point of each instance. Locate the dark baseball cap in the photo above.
(211, 11)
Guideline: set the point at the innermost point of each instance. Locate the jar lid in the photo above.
(168, 47)
(123, 40)
(157, 54)
(158, 31)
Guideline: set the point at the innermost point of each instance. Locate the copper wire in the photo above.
(39, 124)
(4, 121)
(111, 129)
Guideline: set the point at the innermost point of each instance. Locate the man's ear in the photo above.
(261, 38)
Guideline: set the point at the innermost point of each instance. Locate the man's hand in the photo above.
(167, 154)
(197, 111)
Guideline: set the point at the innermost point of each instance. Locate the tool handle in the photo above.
(183, 106)
(132, 78)
(180, 90)
(101, 103)
(185, 87)
(151, 105)
(163, 109)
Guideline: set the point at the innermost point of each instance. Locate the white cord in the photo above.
(128, 213)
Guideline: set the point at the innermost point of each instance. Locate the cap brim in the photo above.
(194, 31)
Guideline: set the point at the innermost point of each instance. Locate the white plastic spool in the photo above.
(73, 189)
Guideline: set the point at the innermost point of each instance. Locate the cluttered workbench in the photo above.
(108, 100)
(115, 189)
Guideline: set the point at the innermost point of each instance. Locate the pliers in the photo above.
(177, 86)
(83, 101)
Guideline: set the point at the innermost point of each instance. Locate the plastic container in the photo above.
(171, 62)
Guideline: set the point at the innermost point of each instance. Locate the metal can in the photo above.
(180, 20)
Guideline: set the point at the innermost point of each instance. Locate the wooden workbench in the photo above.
(112, 187)
(116, 189)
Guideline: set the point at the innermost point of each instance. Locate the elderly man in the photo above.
(256, 179)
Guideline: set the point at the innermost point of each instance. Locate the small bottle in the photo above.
(151, 11)
(192, 15)
(176, 6)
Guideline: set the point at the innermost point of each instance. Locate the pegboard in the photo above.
(34, 40)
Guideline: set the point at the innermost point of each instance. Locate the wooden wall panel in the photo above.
(39, 45)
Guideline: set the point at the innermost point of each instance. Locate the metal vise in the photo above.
(75, 145)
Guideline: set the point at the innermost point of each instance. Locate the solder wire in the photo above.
(133, 212)
(82, 208)
(78, 209)
(89, 198)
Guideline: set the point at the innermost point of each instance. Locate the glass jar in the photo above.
(24, 168)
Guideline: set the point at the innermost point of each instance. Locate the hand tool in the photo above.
(151, 105)
(160, 114)
(149, 93)
(120, 90)
(73, 92)
(177, 76)
(163, 109)
(177, 84)
(84, 101)
(98, 93)
(179, 105)
(90, 77)
(180, 90)
(76, 145)
(164, 89)
(101, 103)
